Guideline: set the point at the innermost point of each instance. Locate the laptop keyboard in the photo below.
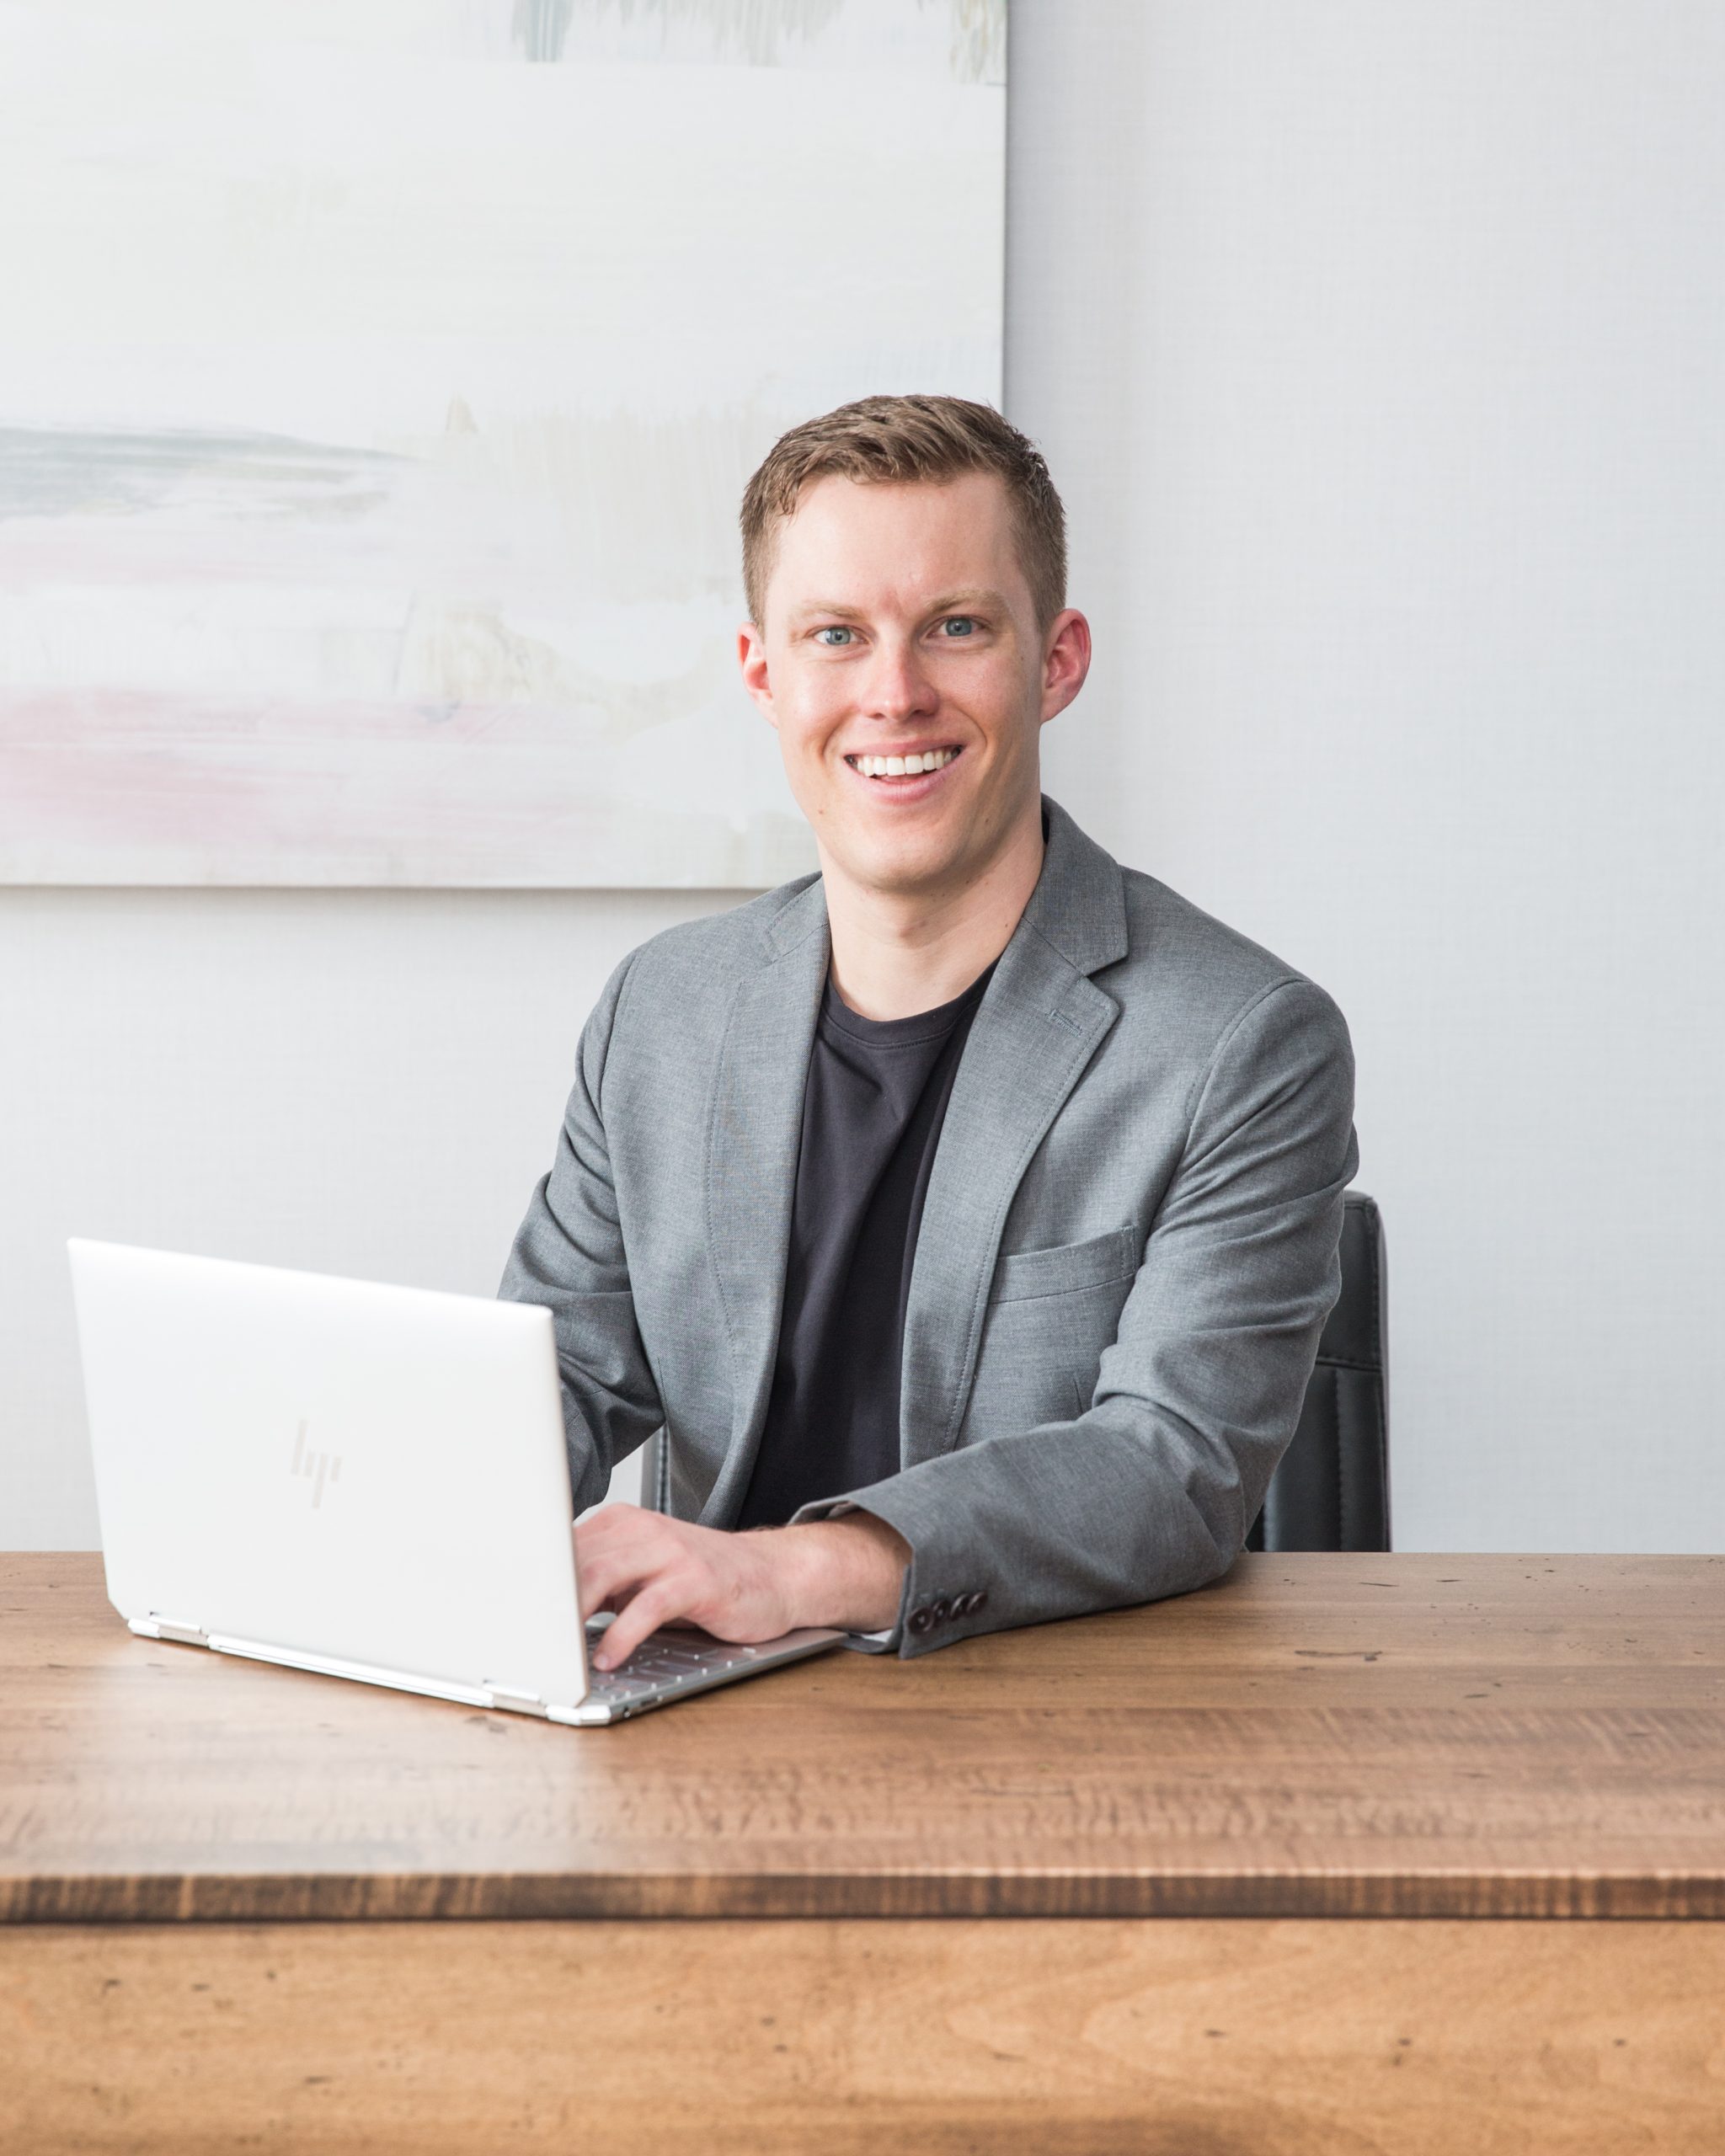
(665, 1663)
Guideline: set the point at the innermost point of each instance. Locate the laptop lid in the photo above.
(332, 1467)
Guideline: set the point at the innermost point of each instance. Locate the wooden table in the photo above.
(1344, 1854)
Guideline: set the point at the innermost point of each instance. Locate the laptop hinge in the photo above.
(153, 1627)
(365, 1673)
(521, 1703)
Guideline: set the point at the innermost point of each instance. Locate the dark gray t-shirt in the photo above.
(872, 1108)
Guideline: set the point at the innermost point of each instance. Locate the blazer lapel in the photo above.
(1038, 1026)
(753, 1133)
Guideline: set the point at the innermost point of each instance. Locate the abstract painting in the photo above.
(378, 380)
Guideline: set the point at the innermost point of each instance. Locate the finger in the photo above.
(609, 1582)
(611, 1568)
(609, 1586)
(610, 1519)
(606, 1530)
(644, 1613)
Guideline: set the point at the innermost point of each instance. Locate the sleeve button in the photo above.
(919, 1620)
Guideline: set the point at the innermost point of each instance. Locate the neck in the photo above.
(897, 952)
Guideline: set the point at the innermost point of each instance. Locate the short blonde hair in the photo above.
(908, 439)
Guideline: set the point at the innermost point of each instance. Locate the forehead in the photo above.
(856, 542)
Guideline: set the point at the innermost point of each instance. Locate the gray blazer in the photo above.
(1128, 1250)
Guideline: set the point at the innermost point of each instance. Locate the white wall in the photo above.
(1378, 352)
(358, 1082)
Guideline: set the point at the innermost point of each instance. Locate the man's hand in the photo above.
(846, 1573)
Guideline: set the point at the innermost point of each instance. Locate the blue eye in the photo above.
(959, 625)
(833, 629)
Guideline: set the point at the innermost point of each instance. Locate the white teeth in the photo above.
(930, 760)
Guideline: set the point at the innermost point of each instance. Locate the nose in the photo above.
(898, 687)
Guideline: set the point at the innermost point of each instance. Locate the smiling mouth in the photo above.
(911, 766)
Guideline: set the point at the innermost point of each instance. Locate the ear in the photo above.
(1065, 661)
(751, 660)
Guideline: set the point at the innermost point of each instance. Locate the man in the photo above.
(966, 1215)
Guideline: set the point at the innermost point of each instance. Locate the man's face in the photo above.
(899, 629)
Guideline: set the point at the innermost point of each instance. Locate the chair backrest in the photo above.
(1332, 1490)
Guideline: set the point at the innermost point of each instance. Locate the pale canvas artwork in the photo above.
(378, 380)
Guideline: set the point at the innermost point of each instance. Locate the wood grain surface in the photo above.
(1002, 2039)
(1314, 1737)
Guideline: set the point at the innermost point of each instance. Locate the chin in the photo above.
(909, 864)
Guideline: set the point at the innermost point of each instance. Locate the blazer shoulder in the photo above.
(696, 958)
(1180, 955)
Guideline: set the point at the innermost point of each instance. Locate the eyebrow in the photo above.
(818, 606)
(972, 596)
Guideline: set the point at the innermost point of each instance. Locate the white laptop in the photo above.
(363, 1480)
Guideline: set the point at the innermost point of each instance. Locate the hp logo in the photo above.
(318, 1466)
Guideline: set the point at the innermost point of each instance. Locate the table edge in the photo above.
(257, 1897)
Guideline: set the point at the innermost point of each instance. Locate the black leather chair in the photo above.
(1332, 1491)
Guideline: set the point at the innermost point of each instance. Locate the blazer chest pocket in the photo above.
(1025, 1276)
(1050, 1315)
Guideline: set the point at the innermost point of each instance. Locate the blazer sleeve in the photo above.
(568, 1254)
(1152, 1490)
